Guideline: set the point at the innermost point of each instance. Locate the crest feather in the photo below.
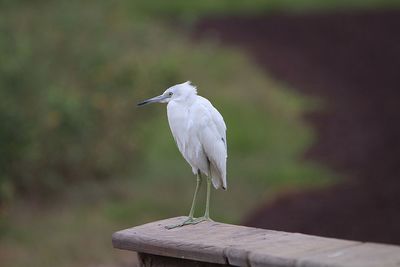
(190, 85)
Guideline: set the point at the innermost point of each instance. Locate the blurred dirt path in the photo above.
(352, 62)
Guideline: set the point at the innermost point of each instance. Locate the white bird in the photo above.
(200, 134)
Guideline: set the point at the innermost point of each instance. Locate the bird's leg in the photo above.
(207, 212)
(190, 219)
(206, 216)
(198, 183)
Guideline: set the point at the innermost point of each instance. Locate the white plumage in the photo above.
(199, 131)
(200, 134)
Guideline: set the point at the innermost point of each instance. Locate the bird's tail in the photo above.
(218, 178)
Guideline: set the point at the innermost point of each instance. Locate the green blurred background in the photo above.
(79, 160)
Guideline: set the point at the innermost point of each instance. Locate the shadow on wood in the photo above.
(155, 261)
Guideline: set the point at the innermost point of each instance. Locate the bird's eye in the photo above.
(170, 93)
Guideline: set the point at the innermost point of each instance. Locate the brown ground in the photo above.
(352, 62)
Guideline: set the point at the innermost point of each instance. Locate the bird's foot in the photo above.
(202, 219)
(188, 221)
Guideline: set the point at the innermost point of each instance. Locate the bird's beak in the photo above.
(156, 99)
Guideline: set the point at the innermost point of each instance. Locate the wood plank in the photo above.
(364, 255)
(220, 243)
(287, 251)
(187, 242)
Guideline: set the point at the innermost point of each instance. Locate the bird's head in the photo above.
(177, 92)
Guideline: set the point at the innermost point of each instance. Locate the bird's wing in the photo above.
(212, 135)
(216, 118)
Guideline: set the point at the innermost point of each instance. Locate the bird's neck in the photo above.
(186, 100)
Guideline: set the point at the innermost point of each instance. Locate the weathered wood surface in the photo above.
(227, 244)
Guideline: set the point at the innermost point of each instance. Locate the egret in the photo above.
(200, 134)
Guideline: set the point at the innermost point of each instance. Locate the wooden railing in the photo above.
(218, 244)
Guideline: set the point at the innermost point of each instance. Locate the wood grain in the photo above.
(219, 243)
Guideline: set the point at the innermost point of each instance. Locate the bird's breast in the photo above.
(178, 123)
(183, 128)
